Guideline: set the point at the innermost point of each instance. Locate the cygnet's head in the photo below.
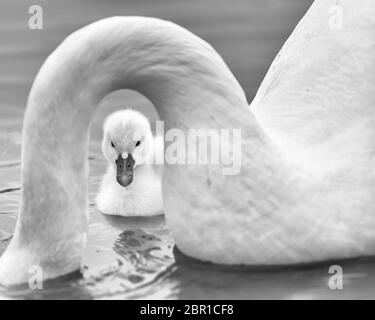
(127, 143)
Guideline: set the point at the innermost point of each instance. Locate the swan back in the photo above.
(322, 83)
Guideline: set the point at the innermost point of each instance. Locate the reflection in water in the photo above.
(131, 258)
(208, 281)
(146, 268)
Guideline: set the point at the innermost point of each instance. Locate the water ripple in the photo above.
(10, 190)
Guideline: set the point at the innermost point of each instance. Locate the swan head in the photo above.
(127, 143)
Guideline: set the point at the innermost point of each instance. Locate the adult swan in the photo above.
(306, 191)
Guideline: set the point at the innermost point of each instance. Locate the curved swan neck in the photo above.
(182, 75)
(168, 64)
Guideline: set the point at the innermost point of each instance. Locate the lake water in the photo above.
(136, 258)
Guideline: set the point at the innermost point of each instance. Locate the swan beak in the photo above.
(125, 170)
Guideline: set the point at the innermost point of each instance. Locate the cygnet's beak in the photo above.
(125, 170)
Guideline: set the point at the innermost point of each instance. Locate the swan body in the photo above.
(305, 192)
(129, 132)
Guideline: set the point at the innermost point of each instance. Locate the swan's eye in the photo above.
(138, 143)
(112, 144)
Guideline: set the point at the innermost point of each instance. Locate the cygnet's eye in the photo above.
(112, 144)
(138, 143)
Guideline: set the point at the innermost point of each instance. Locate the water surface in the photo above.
(136, 258)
